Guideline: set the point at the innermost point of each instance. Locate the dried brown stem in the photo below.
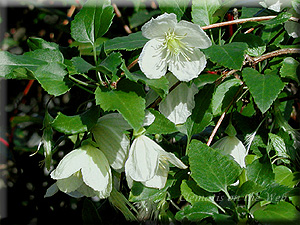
(223, 116)
(239, 21)
(274, 54)
(119, 15)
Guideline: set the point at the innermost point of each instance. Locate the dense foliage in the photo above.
(191, 116)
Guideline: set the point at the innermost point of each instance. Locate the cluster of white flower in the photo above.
(86, 171)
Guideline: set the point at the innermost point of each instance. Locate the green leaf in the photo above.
(275, 192)
(280, 19)
(229, 55)
(39, 43)
(193, 193)
(130, 105)
(131, 42)
(141, 17)
(53, 78)
(290, 69)
(284, 176)
(197, 212)
(224, 94)
(256, 45)
(161, 124)
(201, 115)
(140, 193)
(212, 170)
(203, 11)
(264, 88)
(81, 65)
(92, 21)
(279, 146)
(111, 62)
(10, 62)
(160, 86)
(281, 213)
(78, 123)
(260, 172)
(177, 7)
(249, 187)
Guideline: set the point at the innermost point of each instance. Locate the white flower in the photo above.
(83, 172)
(274, 5)
(109, 134)
(175, 46)
(148, 163)
(231, 145)
(179, 103)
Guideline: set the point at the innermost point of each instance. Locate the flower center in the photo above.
(175, 47)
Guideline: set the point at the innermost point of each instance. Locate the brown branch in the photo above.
(119, 15)
(274, 54)
(223, 116)
(239, 21)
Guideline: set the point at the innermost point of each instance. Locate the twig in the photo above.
(222, 117)
(119, 15)
(253, 19)
(275, 53)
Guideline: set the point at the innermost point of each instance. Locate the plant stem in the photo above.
(275, 53)
(81, 82)
(222, 117)
(253, 19)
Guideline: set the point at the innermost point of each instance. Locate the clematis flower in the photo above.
(83, 172)
(179, 103)
(148, 163)
(109, 134)
(231, 145)
(175, 46)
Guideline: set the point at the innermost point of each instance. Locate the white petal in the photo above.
(152, 60)
(156, 28)
(70, 164)
(194, 35)
(232, 146)
(292, 28)
(186, 70)
(149, 118)
(96, 173)
(86, 191)
(160, 178)
(69, 184)
(53, 189)
(174, 160)
(179, 103)
(109, 135)
(142, 162)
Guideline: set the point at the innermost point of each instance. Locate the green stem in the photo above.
(83, 88)
(216, 204)
(81, 82)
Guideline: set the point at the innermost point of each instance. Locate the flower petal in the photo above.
(156, 28)
(232, 146)
(109, 135)
(87, 191)
(152, 60)
(179, 103)
(70, 164)
(142, 162)
(186, 70)
(52, 190)
(69, 184)
(96, 173)
(160, 178)
(292, 28)
(194, 35)
(174, 160)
